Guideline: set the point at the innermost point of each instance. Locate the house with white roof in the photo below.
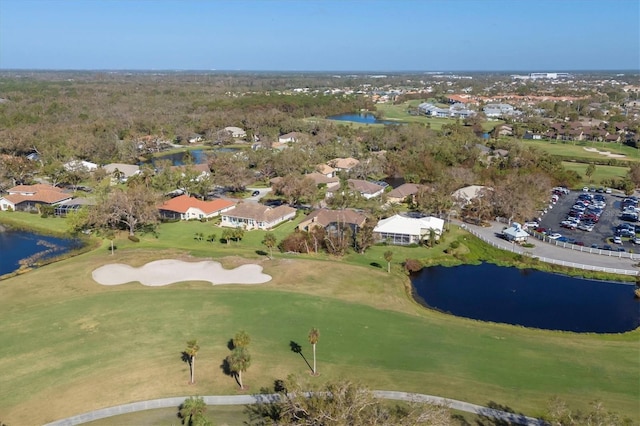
(236, 132)
(80, 165)
(403, 230)
(515, 233)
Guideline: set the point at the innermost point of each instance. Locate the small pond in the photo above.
(366, 118)
(529, 298)
(198, 156)
(16, 246)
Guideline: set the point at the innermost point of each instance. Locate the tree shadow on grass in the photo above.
(491, 416)
(375, 265)
(296, 348)
(261, 253)
(226, 370)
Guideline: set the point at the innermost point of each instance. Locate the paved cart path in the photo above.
(175, 402)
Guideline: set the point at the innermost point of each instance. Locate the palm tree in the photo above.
(192, 411)
(239, 361)
(241, 339)
(388, 256)
(269, 241)
(192, 351)
(314, 336)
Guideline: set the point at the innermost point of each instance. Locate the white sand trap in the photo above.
(605, 153)
(169, 271)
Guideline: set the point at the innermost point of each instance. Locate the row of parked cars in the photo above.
(585, 212)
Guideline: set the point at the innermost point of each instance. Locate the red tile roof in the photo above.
(183, 203)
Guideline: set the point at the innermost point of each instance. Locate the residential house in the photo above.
(403, 192)
(80, 165)
(326, 170)
(321, 179)
(236, 132)
(195, 138)
(27, 197)
(120, 171)
(343, 164)
(256, 216)
(290, 137)
(65, 207)
(403, 230)
(202, 170)
(499, 110)
(333, 220)
(184, 207)
(463, 196)
(365, 188)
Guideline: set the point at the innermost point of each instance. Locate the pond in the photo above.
(529, 298)
(366, 118)
(198, 156)
(18, 247)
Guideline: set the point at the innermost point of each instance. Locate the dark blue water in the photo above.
(529, 298)
(19, 245)
(178, 158)
(365, 118)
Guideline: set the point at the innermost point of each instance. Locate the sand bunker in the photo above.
(169, 271)
(605, 153)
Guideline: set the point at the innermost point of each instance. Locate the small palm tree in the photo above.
(192, 411)
(239, 361)
(241, 339)
(269, 241)
(314, 336)
(192, 351)
(388, 256)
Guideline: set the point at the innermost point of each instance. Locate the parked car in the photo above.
(255, 193)
(555, 236)
(617, 240)
(636, 240)
(607, 247)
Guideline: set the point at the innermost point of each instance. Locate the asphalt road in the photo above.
(603, 230)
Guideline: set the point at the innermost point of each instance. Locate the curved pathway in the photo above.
(175, 402)
(551, 253)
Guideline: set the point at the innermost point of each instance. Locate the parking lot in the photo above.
(602, 231)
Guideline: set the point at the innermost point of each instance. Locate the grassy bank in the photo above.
(63, 333)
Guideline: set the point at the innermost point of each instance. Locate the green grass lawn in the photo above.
(601, 174)
(576, 150)
(81, 346)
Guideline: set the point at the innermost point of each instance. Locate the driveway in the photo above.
(558, 254)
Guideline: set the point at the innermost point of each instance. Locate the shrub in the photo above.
(412, 265)
(134, 238)
(454, 244)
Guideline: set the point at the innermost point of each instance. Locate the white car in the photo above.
(555, 236)
(617, 240)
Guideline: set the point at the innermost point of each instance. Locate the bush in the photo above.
(454, 244)
(412, 265)
(134, 238)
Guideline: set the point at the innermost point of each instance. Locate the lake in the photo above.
(528, 298)
(366, 118)
(19, 245)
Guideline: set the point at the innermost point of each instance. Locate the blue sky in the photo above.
(314, 35)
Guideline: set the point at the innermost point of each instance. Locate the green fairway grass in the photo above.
(571, 150)
(80, 346)
(602, 174)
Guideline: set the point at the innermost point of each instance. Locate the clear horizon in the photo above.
(372, 36)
